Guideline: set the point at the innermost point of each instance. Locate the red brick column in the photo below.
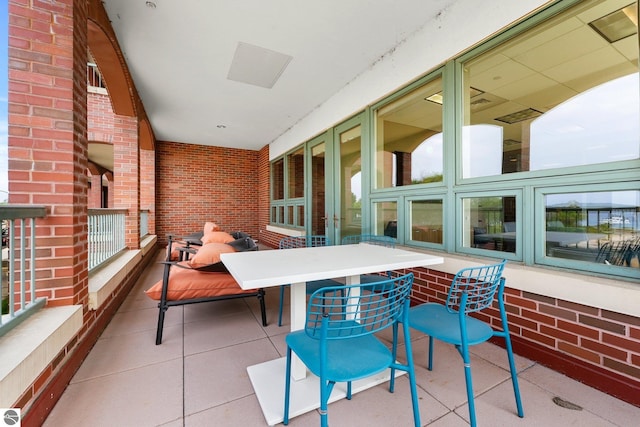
(109, 177)
(126, 173)
(95, 190)
(48, 138)
(148, 186)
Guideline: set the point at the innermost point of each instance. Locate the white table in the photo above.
(270, 268)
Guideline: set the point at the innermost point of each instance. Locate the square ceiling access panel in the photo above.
(257, 66)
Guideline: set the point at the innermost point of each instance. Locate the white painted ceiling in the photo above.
(180, 53)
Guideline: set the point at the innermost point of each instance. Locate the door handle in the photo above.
(325, 218)
(336, 220)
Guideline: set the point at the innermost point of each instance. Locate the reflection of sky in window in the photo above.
(426, 160)
(601, 198)
(481, 150)
(599, 125)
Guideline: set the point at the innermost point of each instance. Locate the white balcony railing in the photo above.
(17, 292)
(144, 223)
(106, 235)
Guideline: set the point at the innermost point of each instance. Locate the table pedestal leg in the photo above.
(298, 317)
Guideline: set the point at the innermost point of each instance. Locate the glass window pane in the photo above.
(277, 179)
(426, 220)
(350, 182)
(295, 173)
(280, 214)
(559, 95)
(290, 218)
(300, 220)
(490, 223)
(386, 218)
(409, 138)
(600, 227)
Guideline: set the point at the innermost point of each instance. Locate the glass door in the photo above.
(320, 201)
(347, 216)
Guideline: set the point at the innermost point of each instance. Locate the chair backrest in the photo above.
(371, 239)
(480, 285)
(615, 253)
(332, 314)
(303, 242)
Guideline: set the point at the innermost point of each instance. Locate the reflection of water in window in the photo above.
(596, 126)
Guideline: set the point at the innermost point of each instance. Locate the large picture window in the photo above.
(287, 189)
(426, 219)
(597, 227)
(564, 94)
(409, 138)
(489, 222)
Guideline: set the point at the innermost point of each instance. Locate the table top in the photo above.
(261, 269)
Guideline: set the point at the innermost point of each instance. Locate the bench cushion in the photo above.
(189, 284)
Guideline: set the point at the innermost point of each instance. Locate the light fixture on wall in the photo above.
(617, 25)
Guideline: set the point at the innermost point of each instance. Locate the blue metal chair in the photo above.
(303, 242)
(473, 289)
(371, 239)
(338, 342)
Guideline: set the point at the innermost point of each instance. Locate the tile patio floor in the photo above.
(198, 377)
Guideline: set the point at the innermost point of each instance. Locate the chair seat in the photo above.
(372, 278)
(436, 321)
(347, 359)
(318, 284)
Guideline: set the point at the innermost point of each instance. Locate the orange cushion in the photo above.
(210, 226)
(209, 254)
(217, 237)
(187, 284)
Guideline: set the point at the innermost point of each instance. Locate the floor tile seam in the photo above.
(444, 405)
(444, 415)
(135, 368)
(222, 317)
(186, 415)
(186, 355)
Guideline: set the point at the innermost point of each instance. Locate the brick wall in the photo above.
(148, 186)
(197, 183)
(264, 190)
(594, 346)
(47, 138)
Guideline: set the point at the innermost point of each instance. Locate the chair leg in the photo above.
(161, 310)
(324, 399)
(514, 375)
(263, 309)
(412, 375)
(507, 341)
(464, 352)
(287, 387)
(394, 354)
(281, 304)
(430, 364)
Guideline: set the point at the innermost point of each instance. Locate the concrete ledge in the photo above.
(29, 348)
(104, 282)
(593, 291)
(285, 231)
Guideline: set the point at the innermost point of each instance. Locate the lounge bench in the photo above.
(194, 281)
